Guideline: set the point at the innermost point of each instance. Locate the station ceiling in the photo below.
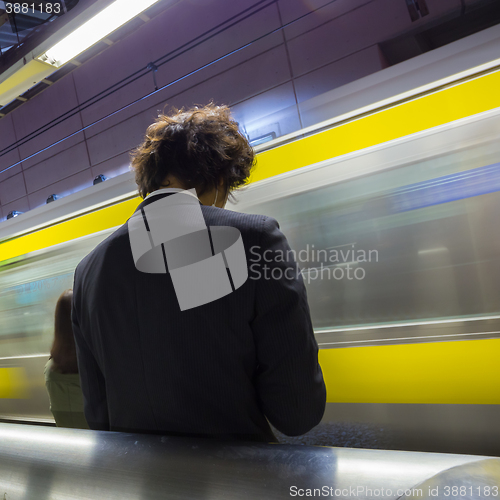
(23, 35)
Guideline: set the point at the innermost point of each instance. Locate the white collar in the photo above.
(190, 192)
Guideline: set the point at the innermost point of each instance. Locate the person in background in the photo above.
(61, 371)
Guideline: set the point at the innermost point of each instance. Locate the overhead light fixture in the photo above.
(12, 214)
(51, 198)
(99, 178)
(97, 28)
(21, 77)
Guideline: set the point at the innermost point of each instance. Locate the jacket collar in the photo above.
(157, 195)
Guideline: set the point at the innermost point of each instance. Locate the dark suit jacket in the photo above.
(215, 370)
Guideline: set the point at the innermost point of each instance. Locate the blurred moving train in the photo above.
(393, 214)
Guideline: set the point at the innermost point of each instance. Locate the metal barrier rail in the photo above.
(43, 463)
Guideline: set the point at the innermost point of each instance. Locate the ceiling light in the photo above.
(51, 198)
(100, 178)
(97, 28)
(12, 214)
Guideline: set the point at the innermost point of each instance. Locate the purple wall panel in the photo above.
(112, 167)
(344, 35)
(272, 111)
(167, 32)
(250, 78)
(231, 40)
(338, 73)
(245, 31)
(119, 139)
(116, 101)
(44, 146)
(61, 187)
(62, 165)
(8, 160)
(49, 105)
(324, 12)
(21, 205)
(7, 133)
(12, 189)
(8, 137)
(256, 108)
(353, 30)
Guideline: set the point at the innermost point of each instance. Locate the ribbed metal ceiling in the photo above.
(17, 23)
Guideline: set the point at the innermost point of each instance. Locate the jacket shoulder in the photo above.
(246, 223)
(112, 244)
(251, 226)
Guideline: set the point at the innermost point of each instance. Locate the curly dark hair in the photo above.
(201, 147)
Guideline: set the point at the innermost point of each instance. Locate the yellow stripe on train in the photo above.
(460, 101)
(108, 217)
(466, 99)
(13, 383)
(460, 372)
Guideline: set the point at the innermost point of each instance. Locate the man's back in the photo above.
(165, 348)
(218, 369)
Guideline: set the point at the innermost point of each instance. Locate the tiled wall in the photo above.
(265, 83)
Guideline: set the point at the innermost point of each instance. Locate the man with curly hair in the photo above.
(223, 369)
